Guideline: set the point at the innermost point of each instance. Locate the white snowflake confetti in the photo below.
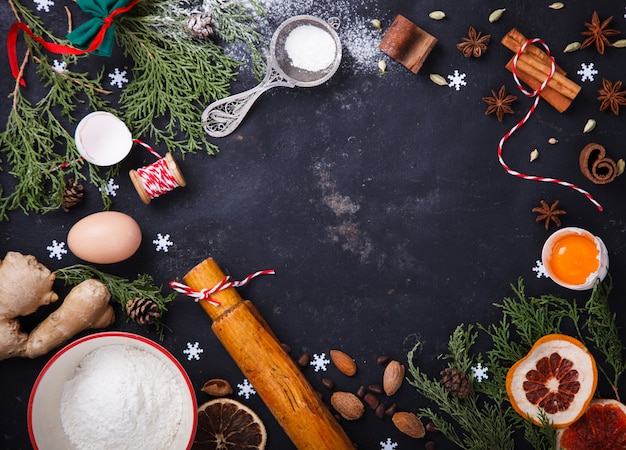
(193, 351)
(457, 80)
(44, 5)
(319, 362)
(540, 269)
(587, 72)
(59, 66)
(57, 249)
(118, 78)
(245, 389)
(162, 242)
(479, 372)
(388, 444)
(111, 188)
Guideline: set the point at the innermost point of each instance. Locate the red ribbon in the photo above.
(57, 48)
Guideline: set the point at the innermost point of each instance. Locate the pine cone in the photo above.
(456, 382)
(72, 194)
(200, 25)
(142, 310)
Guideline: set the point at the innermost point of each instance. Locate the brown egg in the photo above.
(104, 237)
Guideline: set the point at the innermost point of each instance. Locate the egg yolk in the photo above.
(574, 258)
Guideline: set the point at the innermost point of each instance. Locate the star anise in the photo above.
(499, 103)
(598, 33)
(548, 213)
(474, 44)
(611, 96)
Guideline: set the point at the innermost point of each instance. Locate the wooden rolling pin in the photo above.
(275, 376)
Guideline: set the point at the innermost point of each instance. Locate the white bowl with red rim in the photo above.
(45, 424)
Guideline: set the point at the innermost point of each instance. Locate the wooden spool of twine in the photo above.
(158, 178)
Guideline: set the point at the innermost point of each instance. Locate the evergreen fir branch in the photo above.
(460, 341)
(483, 422)
(122, 290)
(35, 143)
(189, 73)
(234, 20)
(603, 331)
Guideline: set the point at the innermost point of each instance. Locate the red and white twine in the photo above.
(536, 93)
(205, 294)
(157, 178)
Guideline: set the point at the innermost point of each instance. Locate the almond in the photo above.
(409, 424)
(348, 405)
(217, 387)
(344, 363)
(393, 377)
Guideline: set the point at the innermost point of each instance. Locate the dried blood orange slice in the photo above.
(226, 424)
(601, 427)
(558, 377)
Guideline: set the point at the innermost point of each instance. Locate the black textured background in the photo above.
(378, 200)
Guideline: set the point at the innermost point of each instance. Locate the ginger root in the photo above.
(25, 285)
(86, 306)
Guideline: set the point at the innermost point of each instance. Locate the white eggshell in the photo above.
(104, 237)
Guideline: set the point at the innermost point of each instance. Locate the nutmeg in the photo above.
(348, 405)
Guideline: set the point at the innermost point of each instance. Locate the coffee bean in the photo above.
(304, 359)
(375, 389)
(361, 391)
(380, 411)
(429, 445)
(328, 383)
(371, 400)
(382, 359)
(390, 411)
(431, 427)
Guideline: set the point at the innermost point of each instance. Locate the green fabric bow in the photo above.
(86, 34)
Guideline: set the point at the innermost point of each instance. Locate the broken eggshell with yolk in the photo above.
(105, 237)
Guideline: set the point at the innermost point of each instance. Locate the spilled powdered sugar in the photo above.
(359, 38)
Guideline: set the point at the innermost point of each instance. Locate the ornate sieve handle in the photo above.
(223, 116)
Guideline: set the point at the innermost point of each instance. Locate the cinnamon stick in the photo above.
(534, 66)
(275, 376)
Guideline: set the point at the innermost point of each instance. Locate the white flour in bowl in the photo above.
(121, 397)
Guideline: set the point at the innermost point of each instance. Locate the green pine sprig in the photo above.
(122, 290)
(485, 419)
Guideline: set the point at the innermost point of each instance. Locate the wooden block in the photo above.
(407, 43)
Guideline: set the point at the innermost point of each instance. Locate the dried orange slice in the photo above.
(557, 377)
(601, 427)
(226, 424)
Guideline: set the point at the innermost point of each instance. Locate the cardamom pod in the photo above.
(437, 15)
(438, 79)
(621, 43)
(382, 66)
(589, 126)
(534, 155)
(572, 47)
(496, 15)
(377, 24)
(556, 5)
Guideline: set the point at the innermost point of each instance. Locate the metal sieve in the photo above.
(221, 118)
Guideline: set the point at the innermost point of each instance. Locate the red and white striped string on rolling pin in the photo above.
(225, 283)
(535, 94)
